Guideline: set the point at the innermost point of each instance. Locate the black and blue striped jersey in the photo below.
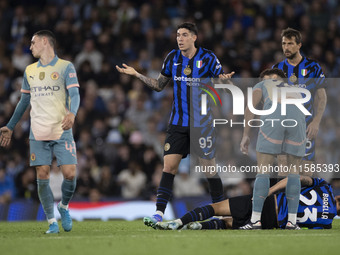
(307, 74)
(188, 76)
(317, 206)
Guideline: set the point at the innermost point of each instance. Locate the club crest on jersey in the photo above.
(167, 146)
(54, 76)
(42, 75)
(199, 63)
(303, 72)
(187, 70)
(33, 157)
(293, 78)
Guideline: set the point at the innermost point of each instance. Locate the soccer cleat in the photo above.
(252, 226)
(66, 220)
(193, 226)
(151, 221)
(292, 226)
(53, 228)
(170, 225)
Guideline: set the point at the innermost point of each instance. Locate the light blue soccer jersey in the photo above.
(50, 101)
(280, 133)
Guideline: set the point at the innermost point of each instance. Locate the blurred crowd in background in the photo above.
(120, 126)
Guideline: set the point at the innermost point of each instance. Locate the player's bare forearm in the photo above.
(244, 145)
(320, 102)
(157, 85)
(320, 105)
(278, 186)
(306, 181)
(154, 84)
(248, 115)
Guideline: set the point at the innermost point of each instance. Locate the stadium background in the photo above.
(120, 127)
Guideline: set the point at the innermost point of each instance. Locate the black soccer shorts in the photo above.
(185, 140)
(241, 208)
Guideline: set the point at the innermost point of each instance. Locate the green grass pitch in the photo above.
(124, 237)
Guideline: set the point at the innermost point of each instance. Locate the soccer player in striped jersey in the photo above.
(188, 67)
(307, 73)
(50, 86)
(317, 209)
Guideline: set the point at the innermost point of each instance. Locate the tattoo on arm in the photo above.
(154, 84)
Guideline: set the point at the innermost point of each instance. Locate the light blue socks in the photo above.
(293, 194)
(46, 197)
(261, 189)
(67, 188)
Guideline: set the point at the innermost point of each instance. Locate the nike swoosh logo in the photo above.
(176, 64)
(207, 153)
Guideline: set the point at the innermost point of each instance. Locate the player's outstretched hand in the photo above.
(5, 137)
(226, 75)
(68, 121)
(226, 78)
(245, 144)
(127, 70)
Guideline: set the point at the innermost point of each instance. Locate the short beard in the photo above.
(292, 56)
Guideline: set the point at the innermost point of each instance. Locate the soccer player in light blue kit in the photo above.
(50, 85)
(275, 139)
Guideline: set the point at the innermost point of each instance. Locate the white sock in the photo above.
(159, 213)
(179, 221)
(255, 216)
(292, 217)
(50, 221)
(63, 206)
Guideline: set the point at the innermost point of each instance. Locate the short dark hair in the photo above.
(269, 72)
(190, 26)
(290, 33)
(50, 36)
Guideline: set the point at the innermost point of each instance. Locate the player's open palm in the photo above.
(127, 70)
(5, 137)
(226, 75)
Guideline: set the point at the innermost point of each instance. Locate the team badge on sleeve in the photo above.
(33, 157)
(54, 76)
(72, 75)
